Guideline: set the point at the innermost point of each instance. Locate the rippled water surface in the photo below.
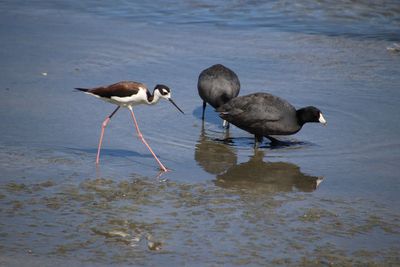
(330, 197)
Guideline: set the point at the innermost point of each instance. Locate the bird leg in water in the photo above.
(257, 140)
(204, 109)
(225, 124)
(144, 141)
(103, 126)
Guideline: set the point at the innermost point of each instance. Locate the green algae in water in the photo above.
(315, 214)
(16, 188)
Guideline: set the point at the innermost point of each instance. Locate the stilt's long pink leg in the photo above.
(144, 141)
(103, 126)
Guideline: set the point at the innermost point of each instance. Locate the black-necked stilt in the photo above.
(128, 94)
(217, 85)
(263, 115)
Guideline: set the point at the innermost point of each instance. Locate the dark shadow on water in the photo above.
(210, 115)
(109, 152)
(249, 142)
(272, 177)
(286, 143)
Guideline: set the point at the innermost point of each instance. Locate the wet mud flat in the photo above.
(138, 220)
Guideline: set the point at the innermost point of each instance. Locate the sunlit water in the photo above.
(328, 198)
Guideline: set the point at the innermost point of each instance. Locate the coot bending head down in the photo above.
(217, 85)
(263, 115)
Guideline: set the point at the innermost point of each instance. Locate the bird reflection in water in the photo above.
(214, 157)
(272, 177)
(221, 160)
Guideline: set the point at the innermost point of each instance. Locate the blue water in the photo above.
(329, 198)
(363, 19)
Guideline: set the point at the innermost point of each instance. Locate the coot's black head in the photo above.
(310, 114)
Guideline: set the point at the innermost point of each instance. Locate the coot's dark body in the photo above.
(217, 85)
(263, 114)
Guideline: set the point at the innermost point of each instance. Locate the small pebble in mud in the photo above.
(118, 233)
(154, 245)
(135, 241)
(395, 48)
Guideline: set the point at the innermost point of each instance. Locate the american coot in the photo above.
(128, 94)
(263, 115)
(217, 85)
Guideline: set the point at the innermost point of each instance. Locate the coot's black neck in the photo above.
(303, 116)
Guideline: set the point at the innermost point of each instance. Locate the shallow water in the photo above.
(329, 198)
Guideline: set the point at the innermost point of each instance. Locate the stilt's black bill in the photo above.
(173, 103)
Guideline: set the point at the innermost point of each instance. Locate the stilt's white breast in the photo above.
(133, 100)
